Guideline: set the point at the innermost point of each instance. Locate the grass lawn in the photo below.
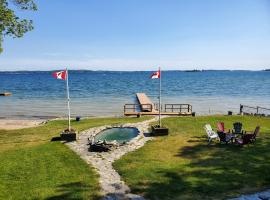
(183, 166)
(32, 167)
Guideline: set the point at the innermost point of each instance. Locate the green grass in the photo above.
(32, 167)
(183, 166)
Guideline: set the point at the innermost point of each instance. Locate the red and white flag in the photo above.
(156, 75)
(60, 75)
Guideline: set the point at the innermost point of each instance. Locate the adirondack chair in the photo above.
(210, 133)
(237, 128)
(248, 137)
(225, 137)
(254, 134)
(221, 128)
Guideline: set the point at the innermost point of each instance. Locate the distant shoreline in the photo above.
(176, 70)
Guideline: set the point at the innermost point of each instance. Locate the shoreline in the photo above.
(18, 122)
(13, 124)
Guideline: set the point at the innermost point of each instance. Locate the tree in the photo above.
(10, 23)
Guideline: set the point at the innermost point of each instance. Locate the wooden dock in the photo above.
(251, 110)
(146, 107)
(5, 94)
(145, 103)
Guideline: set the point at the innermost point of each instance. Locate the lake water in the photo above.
(98, 93)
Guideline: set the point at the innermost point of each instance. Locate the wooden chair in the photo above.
(224, 136)
(221, 128)
(210, 133)
(254, 134)
(248, 138)
(237, 128)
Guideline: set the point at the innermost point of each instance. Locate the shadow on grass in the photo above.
(55, 139)
(217, 171)
(169, 188)
(74, 191)
(148, 134)
(197, 139)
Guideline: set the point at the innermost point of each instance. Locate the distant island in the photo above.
(267, 70)
(194, 70)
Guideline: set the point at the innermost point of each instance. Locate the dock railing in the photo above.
(178, 108)
(137, 107)
(252, 110)
(170, 108)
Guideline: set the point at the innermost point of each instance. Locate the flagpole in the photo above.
(159, 96)
(68, 101)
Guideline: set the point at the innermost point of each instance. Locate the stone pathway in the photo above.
(110, 181)
(265, 195)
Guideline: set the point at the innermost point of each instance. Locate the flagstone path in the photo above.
(111, 184)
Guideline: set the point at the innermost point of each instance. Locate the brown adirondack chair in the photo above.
(254, 134)
(248, 138)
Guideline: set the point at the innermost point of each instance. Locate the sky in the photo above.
(142, 35)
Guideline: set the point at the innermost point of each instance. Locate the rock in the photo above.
(264, 195)
(134, 197)
(257, 196)
(252, 197)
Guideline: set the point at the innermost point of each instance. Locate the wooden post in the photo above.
(241, 109)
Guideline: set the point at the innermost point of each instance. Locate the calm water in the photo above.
(117, 134)
(104, 93)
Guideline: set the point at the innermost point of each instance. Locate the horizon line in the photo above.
(181, 70)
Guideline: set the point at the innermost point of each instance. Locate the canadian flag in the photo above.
(156, 75)
(60, 75)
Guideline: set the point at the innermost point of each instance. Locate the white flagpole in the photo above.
(159, 96)
(68, 99)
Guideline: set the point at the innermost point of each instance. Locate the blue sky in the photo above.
(142, 34)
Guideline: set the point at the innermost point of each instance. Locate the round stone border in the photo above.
(98, 130)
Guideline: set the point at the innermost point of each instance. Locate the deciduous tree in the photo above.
(10, 23)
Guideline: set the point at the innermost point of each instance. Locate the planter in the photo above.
(68, 136)
(230, 112)
(159, 131)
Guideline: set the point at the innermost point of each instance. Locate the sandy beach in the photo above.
(11, 124)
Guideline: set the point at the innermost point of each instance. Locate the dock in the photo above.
(6, 94)
(145, 103)
(146, 107)
(252, 110)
